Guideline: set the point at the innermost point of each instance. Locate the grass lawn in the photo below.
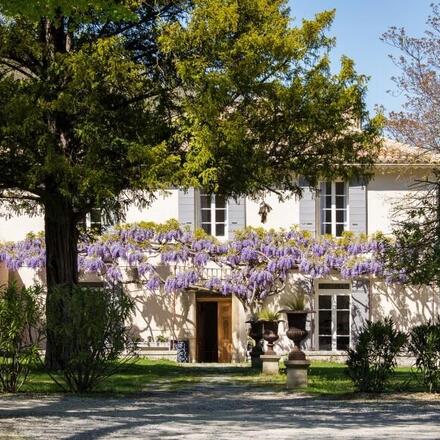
(325, 378)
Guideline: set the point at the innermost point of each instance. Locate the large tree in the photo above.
(261, 105)
(102, 103)
(417, 125)
(84, 117)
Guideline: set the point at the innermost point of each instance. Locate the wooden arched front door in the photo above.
(214, 329)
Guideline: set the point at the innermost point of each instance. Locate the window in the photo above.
(334, 208)
(213, 215)
(97, 222)
(333, 319)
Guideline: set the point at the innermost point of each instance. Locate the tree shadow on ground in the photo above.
(175, 415)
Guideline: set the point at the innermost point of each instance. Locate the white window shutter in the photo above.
(236, 215)
(307, 208)
(187, 208)
(357, 199)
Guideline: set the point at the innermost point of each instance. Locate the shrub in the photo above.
(21, 326)
(373, 360)
(94, 335)
(424, 344)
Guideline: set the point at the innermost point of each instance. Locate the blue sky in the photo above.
(358, 26)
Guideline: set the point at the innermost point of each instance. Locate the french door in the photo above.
(334, 316)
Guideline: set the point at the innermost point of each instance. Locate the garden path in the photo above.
(215, 410)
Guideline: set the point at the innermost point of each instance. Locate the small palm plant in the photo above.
(296, 303)
(268, 315)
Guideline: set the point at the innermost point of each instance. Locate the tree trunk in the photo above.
(61, 238)
(61, 234)
(437, 315)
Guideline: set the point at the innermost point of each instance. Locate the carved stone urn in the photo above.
(297, 332)
(256, 333)
(270, 335)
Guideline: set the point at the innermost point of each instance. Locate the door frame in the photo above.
(333, 292)
(207, 297)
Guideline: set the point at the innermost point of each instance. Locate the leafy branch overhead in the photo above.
(82, 114)
(260, 105)
(119, 95)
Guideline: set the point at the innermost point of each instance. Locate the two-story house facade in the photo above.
(215, 326)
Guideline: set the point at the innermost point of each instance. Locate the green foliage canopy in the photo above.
(83, 110)
(105, 103)
(260, 105)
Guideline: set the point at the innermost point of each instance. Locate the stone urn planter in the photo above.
(296, 320)
(256, 333)
(297, 365)
(270, 334)
(270, 360)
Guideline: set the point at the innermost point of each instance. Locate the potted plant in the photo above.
(161, 340)
(256, 333)
(296, 320)
(269, 320)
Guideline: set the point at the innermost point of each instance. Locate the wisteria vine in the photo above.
(253, 265)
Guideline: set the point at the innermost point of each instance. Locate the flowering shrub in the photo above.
(253, 265)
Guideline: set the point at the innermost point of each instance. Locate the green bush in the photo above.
(424, 344)
(94, 335)
(21, 327)
(373, 360)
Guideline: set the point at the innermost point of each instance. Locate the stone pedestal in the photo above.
(270, 363)
(297, 374)
(256, 361)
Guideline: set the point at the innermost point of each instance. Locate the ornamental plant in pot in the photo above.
(296, 319)
(270, 322)
(256, 333)
(162, 341)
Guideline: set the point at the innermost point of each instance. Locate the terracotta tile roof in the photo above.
(396, 153)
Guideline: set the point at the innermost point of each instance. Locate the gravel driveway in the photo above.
(216, 412)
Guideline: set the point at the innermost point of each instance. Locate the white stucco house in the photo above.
(215, 326)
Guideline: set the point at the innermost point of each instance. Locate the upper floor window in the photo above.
(97, 222)
(213, 214)
(334, 208)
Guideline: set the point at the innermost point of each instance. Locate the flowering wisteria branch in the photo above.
(253, 265)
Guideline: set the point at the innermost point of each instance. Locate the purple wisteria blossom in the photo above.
(253, 265)
(113, 274)
(153, 283)
(181, 281)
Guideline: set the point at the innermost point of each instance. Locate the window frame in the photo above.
(333, 208)
(213, 211)
(333, 293)
(99, 227)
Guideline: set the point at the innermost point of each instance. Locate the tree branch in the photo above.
(26, 72)
(23, 197)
